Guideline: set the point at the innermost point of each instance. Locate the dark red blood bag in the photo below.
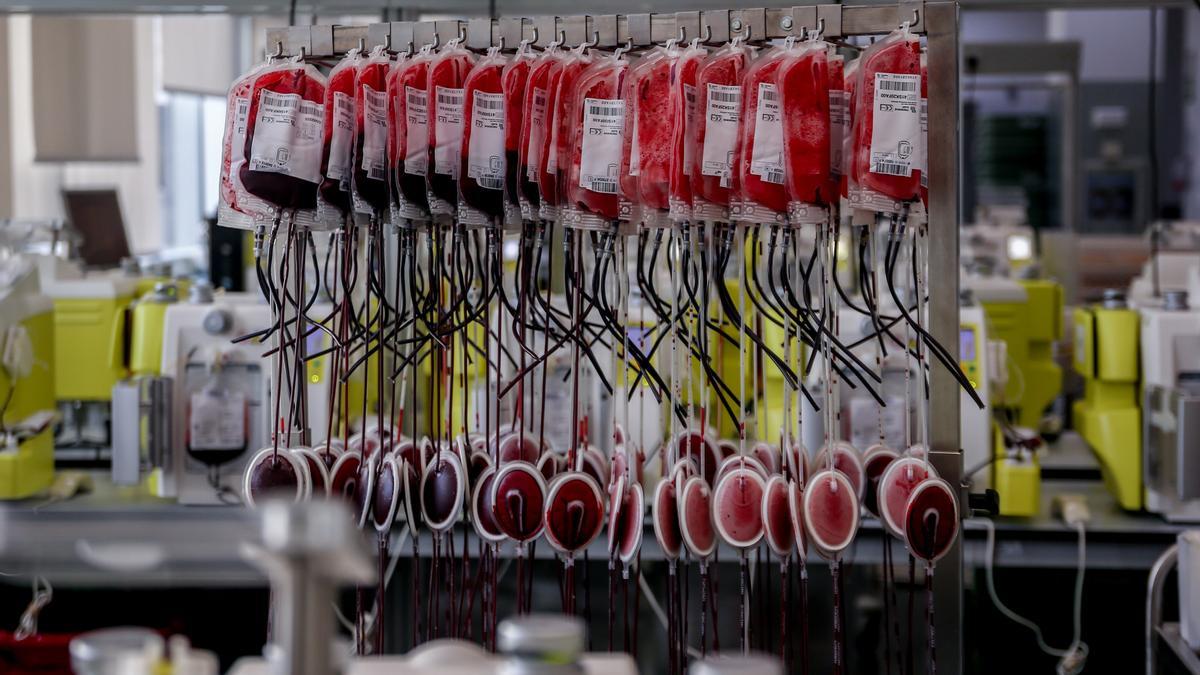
(333, 196)
(719, 107)
(512, 83)
(547, 161)
(237, 208)
(888, 120)
(395, 133)
(683, 131)
(761, 197)
(655, 125)
(599, 114)
(839, 118)
(413, 152)
(481, 175)
(447, 73)
(850, 94)
(563, 125)
(533, 130)
(284, 136)
(923, 168)
(370, 144)
(803, 85)
(631, 208)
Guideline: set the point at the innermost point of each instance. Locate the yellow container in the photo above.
(31, 468)
(89, 347)
(145, 345)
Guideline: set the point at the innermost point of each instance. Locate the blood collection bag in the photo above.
(235, 212)
(574, 512)
(719, 104)
(683, 132)
(802, 82)
(596, 150)
(897, 484)
(533, 131)
(923, 165)
(370, 144)
(888, 121)
(512, 84)
(447, 73)
(737, 507)
(333, 196)
(761, 196)
(563, 124)
(839, 118)
(830, 513)
(547, 157)
(850, 98)
(218, 423)
(654, 128)
(481, 176)
(931, 519)
(412, 114)
(284, 135)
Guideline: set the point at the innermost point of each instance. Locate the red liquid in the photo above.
(724, 68)
(616, 504)
(666, 519)
(364, 489)
(738, 507)
(845, 460)
(547, 180)
(777, 517)
(564, 123)
(449, 71)
(627, 179)
(371, 182)
(486, 197)
(537, 86)
(655, 120)
(595, 465)
(602, 81)
(683, 133)
(550, 465)
(411, 185)
(514, 447)
(896, 486)
(273, 476)
(831, 512)
(876, 463)
(696, 505)
(898, 56)
(931, 523)
(837, 136)
(396, 127)
(771, 196)
(383, 507)
(922, 179)
(315, 464)
(478, 463)
(767, 456)
(343, 477)
(850, 87)
(284, 191)
(574, 513)
(512, 83)
(695, 446)
(803, 83)
(517, 500)
(630, 526)
(239, 95)
(481, 513)
(442, 490)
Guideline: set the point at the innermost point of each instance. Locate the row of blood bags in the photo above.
(679, 133)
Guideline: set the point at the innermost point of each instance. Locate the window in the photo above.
(191, 128)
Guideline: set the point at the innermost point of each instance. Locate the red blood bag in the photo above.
(370, 144)
(533, 131)
(547, 159)
(413, 151)
(683, 132)
(241, 213)
(803, 85)
(481, 175)
(923, 167)
(333, 197)
(447, 73)
(599, 113)
(395, 133)
(631, 209)
(564, 125)
(888, 120)
(512, 84)
(850, 97)
(719, 103)
(762, 197)
(284, 136)
(654, 128)
(839, 118)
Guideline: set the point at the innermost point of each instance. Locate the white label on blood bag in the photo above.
(720, 129)
(552, 151)
(603, 135)
(416, 106)
(924, 164)
(766, 157)
(447, 130)
(241, 114)
(839, 126)
(635, 153)
(217, 421)
(288, 136)
(896, 136)
(342, 141)
(485, 152)
(374, 150)
(537, 134)
(689, 125)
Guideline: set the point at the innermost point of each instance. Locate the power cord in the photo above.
(43, 593)
(1072, 659)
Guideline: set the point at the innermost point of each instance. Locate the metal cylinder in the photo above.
(116, 651)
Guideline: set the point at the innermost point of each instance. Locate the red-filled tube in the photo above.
(447, 73)
(284, 136)
(481, 174)
(719, 103)
(888, 118)
(803, 84)
(370, 144)
(599, 112)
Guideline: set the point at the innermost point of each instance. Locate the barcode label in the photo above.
(448, 123)
(485, 149)
(374, 133)
(537, 134)
(603, 136)
(635, 152)
(839, 123)
(341, 143)
(722, 117)
(416, 120)
(241, 114)
(288, 136)
(896, 118)
(689, 126)
(766, 157)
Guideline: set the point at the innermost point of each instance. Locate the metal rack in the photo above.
(938, 21)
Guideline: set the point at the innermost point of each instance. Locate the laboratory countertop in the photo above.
(118, 536)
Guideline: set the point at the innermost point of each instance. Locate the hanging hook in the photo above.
(744, 37)
(559, 41)
(279, 49)
(682, 34)
(526, 42)
(816, 34)
(387, 41)
(362, 45)
(707, 33)
(916, 18)
(623, 49)
(593, 42)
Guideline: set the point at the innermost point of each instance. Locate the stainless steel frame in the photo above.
(938, 21)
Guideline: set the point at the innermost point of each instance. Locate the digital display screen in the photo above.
(966, 344)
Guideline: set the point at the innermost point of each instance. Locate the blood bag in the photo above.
(803, 85)
(654, 128)
(413, 151)
(839, 117)
(217, 420)
(850, 97)
(238, 208)
(631, 209)
(284, 136)
(395, 134)
(447, 73)
(370, 145)
(719, 104)
(563, 125)
(481, 175)
(888, 123)
(547, 160)
(923, 164)
(512, 84)
(599, 110)
(533, 131)
(683, 131)
(333, 197)
(761, 196)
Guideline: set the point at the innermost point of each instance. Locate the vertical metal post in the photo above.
(942, 35)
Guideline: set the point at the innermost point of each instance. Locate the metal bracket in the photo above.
(689, 24)
(547, 29)
(479, 34)
(447, 30)
(641, 29)
(296, 38)
(604, 27)
(575, 28)
(829, 20)
(379, 34)
(512, 30)
(424, 33)
(715, 23)
(803, 19)
(403, 35)
(912, 11)
(321, 39)
(754, 19)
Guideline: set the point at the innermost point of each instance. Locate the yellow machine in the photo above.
(1109, 416)
(26, 380)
